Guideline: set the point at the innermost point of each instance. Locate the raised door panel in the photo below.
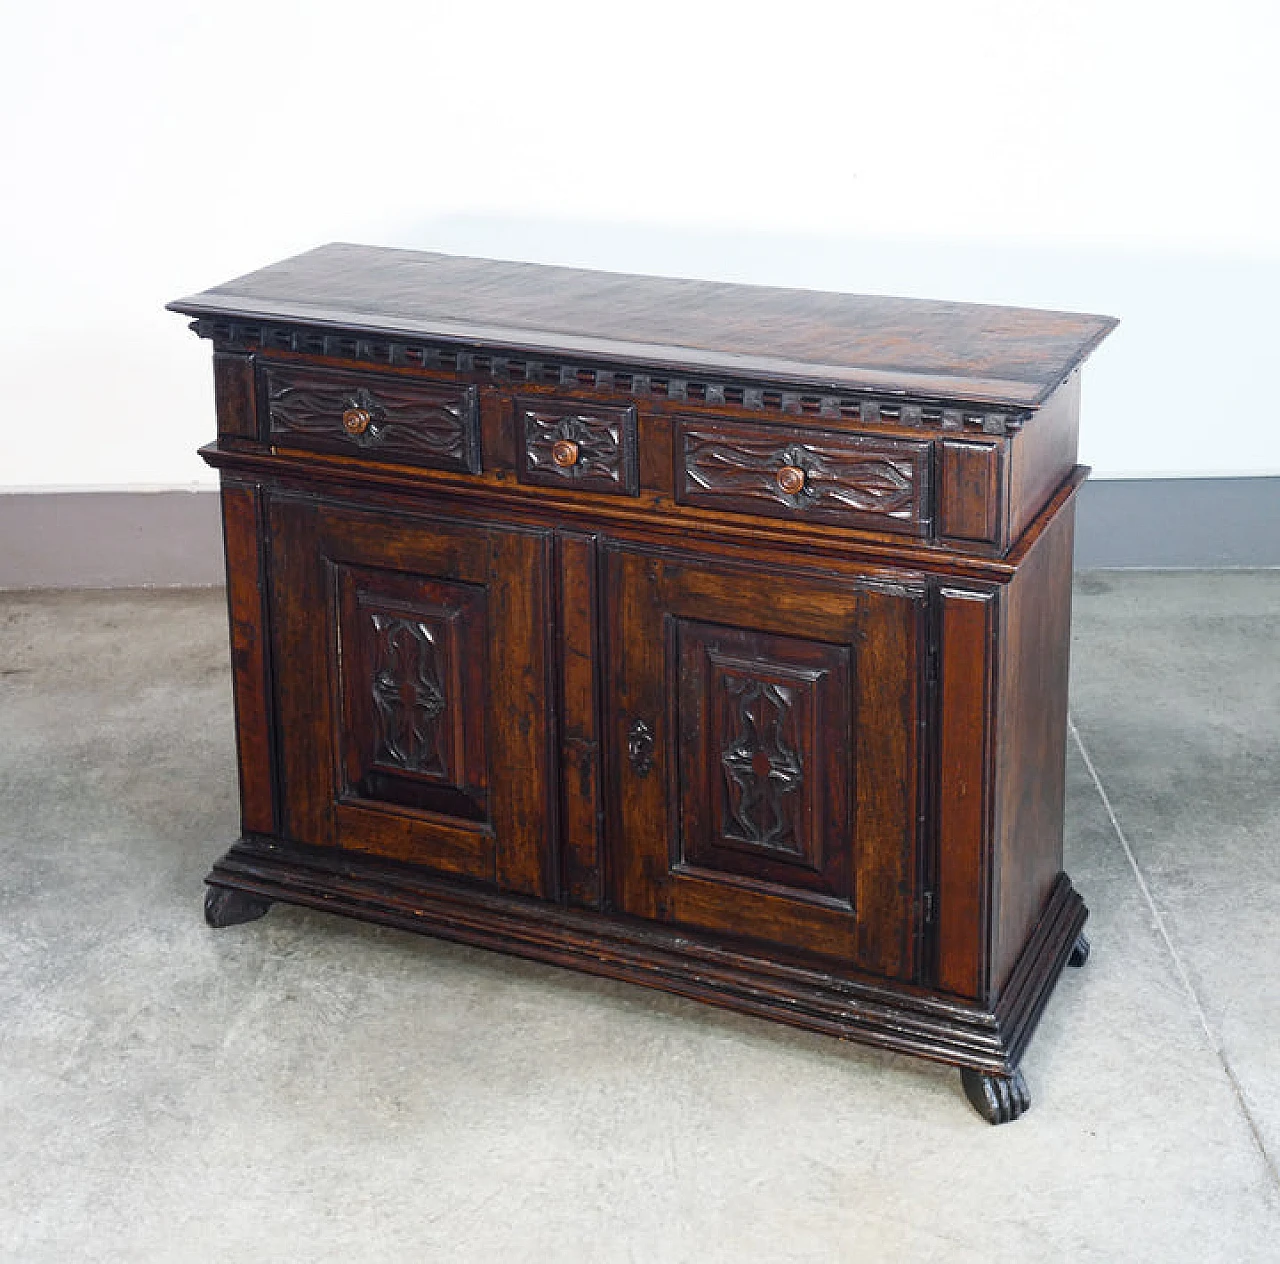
(413, 690)
(763, 740)
(412, 720)
(763, 734)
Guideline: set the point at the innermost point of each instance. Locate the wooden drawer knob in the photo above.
(355, 421)
(791, 479)
(564, 452)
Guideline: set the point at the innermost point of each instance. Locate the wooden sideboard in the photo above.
(704, 636)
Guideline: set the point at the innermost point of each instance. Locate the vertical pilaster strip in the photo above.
(246, 591)
(965, 681)
(233, 394)
(522, 683)
(579, 726)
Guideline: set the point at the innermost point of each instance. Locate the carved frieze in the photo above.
(753, 396)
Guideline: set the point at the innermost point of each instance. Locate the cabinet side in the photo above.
(1043, 454)
(1031, 737)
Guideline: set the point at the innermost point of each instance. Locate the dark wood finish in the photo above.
(999, 1099)
(233, 395)
(896, 1017)
(242, 536)
(413, 691)
(859, 549)
(1014, 356)
(858, 480)
(1079, 951)
(1043, 455)
(227, 906)
(591, 447)
(473, 601)
(747, 826)
(965, 687)
(1031, 739)
(699, 636)
(389, 418)
(969, 486)
(582, 805)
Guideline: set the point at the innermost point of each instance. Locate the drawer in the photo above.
(577, 444)
(868, 481)
(384, 417)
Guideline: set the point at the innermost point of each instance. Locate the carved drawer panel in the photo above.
(577, 444)
(384, 417)
(815, 475)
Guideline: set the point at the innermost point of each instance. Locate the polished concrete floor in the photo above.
(305, 1088)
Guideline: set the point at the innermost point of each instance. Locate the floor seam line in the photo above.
(1163, 930)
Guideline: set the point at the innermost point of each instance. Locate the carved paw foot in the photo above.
(999, 1099)
(1079, 951)
(225, 907)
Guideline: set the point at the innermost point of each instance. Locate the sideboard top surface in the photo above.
(1006, 356)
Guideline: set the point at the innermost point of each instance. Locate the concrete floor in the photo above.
(305, 1088)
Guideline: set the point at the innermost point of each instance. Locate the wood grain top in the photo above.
(1005, 356)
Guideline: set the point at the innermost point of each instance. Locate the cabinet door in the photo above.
(763, 755)
(411, 674)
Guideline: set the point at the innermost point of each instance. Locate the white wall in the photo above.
(1100, 155)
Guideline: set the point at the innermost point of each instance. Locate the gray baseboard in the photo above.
(1178, 523)
(110, 539)
(162, 539)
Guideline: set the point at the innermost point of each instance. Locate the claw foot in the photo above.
(999, 1099)
(1079, 951)
(226, 907)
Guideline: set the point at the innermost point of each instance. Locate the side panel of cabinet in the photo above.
(763, 734)
(1031, 740)
(412, 684)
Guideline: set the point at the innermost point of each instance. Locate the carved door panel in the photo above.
(412, 683)
(763, 755)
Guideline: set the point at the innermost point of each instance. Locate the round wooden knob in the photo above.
(355, 421)
(564, 452)
(791, 479)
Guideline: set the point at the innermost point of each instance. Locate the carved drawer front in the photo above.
(859, 480)
(381, 416)
(577, 444)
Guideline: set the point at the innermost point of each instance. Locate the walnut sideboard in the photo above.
(703, 636)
